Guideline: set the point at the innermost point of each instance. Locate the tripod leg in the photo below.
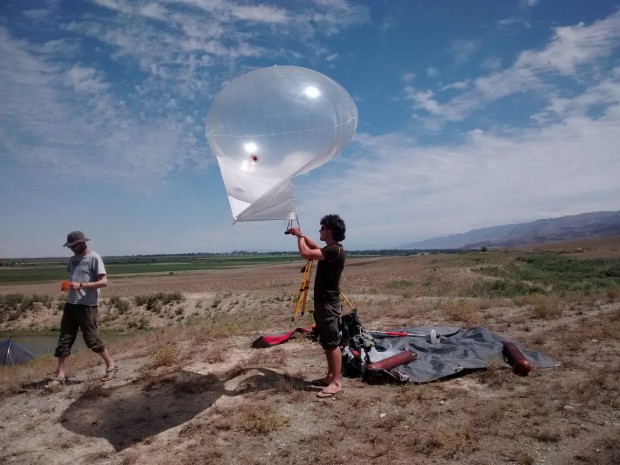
(306, 287)
(301, 288)
(347, 301)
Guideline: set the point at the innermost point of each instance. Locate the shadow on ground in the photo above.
(42, 384)
(131, 413)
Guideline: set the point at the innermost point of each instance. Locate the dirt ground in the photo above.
(192, 390)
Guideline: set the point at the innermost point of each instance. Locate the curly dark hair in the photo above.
(336, 225)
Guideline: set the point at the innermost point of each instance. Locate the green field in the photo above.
(53, 269)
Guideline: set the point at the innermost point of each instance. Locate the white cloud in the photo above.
(50, 130)
(457, 85)
(513, 21)
(570, 50)
(573, 47)
(603, 99)
(425, 100)
(87, 80)
(407, 78)
(61, 109)
(260, 13)
(463, 50)
(493, 178)
(117, 94)
(115, 5)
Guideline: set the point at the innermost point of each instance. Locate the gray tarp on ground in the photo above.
(455, 351)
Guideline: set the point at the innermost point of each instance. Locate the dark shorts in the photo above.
(79, 317)
(327, 319)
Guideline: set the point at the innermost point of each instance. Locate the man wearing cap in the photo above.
(87, 275)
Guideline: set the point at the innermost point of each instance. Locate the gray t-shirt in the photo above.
(85, 269)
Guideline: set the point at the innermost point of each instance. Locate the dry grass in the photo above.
(542, 306)
(14, 378)
(461, 310)
(165, 356)
(613, 294)
(201, 395)
(94, 390)
(262, 419)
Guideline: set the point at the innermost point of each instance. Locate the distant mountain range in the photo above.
(566, 228)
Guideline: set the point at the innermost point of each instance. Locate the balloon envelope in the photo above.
(270, 125)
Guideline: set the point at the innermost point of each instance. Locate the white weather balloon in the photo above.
(270, 125)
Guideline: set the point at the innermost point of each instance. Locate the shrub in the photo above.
(165, 356)
(504, 288)
(119, 304)
(399, 283)
(155, 301)
(11, 301)
(545, 307)
(262, 419)
(613, 294)
(461, 310)
(13, 305)
(550, 272)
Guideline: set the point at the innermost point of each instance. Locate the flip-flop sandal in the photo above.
(327, 395)
(109, 373)
(56, 382)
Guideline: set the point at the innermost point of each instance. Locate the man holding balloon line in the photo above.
(330, 260)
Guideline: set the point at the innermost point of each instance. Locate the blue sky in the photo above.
(471, 114)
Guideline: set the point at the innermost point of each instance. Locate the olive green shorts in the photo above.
(79, 317)
(327, 319)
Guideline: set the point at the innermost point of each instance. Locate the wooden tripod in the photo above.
(302, 298)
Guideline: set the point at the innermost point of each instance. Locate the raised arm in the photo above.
(308, 249)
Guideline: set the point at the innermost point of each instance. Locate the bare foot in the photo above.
(330, 391)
